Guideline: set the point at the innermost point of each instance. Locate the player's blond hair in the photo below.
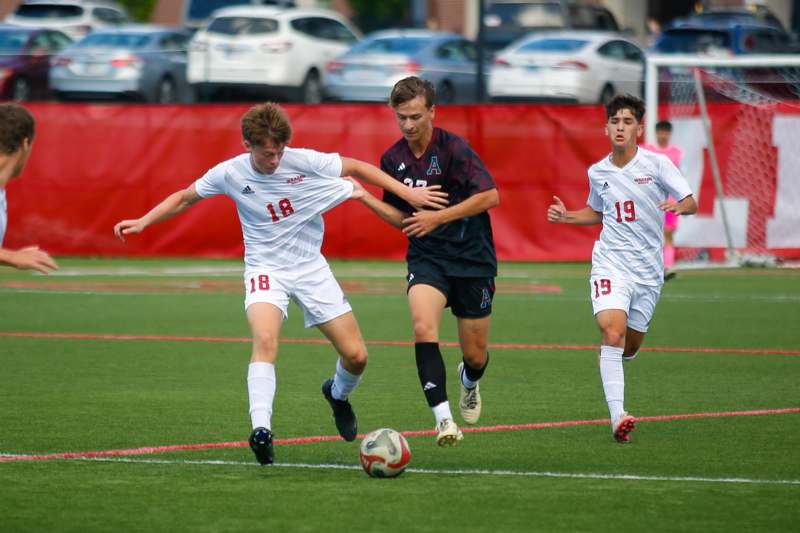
(16, 125)
(266, 121)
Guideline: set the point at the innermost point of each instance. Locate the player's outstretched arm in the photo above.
(28, 258)
(388, 213)
(557, 213)
(687, 206)
(418, 197)
(423, 222)
(172, 205)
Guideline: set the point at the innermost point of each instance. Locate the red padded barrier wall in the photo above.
(93, 165)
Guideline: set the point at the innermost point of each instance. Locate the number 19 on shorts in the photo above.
(602, 287)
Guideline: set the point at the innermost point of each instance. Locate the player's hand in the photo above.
(33, 258)
(427, 197)
(421, 223)
(671, 207)
(358, 190)
(128, 227)
(556, 213)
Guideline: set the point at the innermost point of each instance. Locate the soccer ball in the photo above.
(384, 453)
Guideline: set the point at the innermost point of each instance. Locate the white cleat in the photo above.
(448, 433)
(469, 402)
(622, 427)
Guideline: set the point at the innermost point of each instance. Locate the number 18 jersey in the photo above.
(632, 240)
(280, 213)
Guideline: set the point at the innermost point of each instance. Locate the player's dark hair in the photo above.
(264, 122)
(625, 101)
(663, 125)
(409, 88)
(16, 125)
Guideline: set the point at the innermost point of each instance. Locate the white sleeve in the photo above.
(323, 164)
(672, 179)
(594, 201)
(212, 182)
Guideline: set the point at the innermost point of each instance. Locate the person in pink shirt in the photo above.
(663, 146)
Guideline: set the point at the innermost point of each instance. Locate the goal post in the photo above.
(737, 121)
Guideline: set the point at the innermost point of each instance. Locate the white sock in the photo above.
(442, 411)
(343, 382)
(468, 383)
(261, 389)
(613, 377)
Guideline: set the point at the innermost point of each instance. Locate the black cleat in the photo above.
(342, 412)
(670, 274)
(261, 444)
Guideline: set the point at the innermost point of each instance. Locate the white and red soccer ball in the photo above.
(384, 453)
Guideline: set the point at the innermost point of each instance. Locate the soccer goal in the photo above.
(737, 121)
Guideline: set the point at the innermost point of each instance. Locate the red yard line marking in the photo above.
(495, 346)
(323, 438)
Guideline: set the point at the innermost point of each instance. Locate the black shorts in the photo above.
(466, 297)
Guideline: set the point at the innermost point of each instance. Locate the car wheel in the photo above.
(166, 93)
(21, 90)
(311, 90)
(446, 94)
(607, 93)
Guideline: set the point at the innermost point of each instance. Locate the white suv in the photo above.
(76, 18)
(279, 51)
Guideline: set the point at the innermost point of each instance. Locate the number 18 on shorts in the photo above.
(636, 299)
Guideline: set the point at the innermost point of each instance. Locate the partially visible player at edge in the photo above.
(451, 256)
(280, 195)
(628, 192)
(664, 146)
(17, 129)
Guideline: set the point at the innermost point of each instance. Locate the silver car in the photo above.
(140, 61)
(369, 70)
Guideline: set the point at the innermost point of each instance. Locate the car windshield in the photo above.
(199, 10)
(689, 41)
(40, 11)
(524, 15)
(13, 41)
(115, 40)
(554, 45)
(242, 26)
(392, 45)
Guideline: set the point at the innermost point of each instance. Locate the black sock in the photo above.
(430, 367)
(472, 373)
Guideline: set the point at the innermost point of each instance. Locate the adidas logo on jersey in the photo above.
(248, 190)
(606, 185)
(402, 167)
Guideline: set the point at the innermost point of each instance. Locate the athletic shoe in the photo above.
(448, 433)
(670, 274)
(622, 427)
(342, 413)
(261, 444)
(469, 402)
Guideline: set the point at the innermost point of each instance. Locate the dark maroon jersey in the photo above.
(465, 247)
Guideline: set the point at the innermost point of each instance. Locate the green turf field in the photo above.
(116, 355)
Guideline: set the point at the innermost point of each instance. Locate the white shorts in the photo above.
(314, 290)
(637, 300)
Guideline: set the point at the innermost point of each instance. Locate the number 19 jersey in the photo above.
(632, 240)
(280, 213)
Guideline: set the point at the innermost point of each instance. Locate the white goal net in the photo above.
(737, 121)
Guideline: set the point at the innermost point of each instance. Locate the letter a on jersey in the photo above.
(433, 168)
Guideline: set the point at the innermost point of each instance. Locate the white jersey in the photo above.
(632, 240)
(3, 215)
(280, 213)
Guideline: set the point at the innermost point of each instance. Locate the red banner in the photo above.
(93, 165)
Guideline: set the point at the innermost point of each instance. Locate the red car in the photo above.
(25, 60)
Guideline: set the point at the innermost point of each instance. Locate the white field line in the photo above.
(457, 472)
